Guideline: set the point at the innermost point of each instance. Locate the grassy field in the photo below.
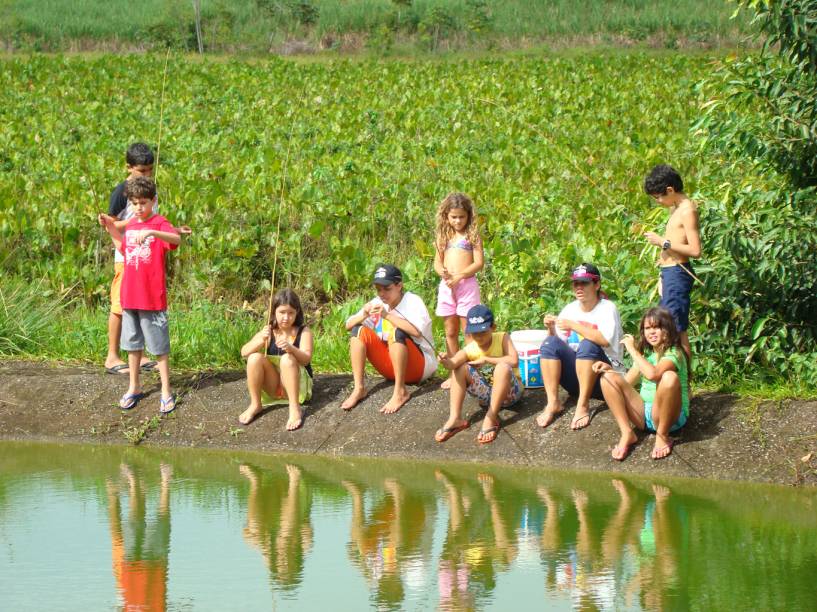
(381, 26)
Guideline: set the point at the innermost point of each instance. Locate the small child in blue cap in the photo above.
(486, 369)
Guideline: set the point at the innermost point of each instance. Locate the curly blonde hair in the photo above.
(444, 231)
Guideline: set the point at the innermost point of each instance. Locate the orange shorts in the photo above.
(116, 287)
(377, 351)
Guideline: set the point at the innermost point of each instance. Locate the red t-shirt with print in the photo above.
(143, 283)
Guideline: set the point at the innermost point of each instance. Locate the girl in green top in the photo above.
(663, 403)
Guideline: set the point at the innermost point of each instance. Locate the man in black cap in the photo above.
(393, 331)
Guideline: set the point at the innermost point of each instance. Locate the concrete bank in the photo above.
(725, 438)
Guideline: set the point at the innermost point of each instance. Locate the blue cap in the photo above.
(479, 319)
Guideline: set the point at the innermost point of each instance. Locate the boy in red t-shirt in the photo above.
(144, 243)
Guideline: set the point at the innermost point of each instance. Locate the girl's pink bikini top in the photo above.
(462, 243)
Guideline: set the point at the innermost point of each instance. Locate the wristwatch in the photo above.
(666, 245)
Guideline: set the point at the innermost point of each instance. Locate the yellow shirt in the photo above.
(473, 351)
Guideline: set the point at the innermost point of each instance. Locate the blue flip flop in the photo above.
(129, 400)
(166, 406)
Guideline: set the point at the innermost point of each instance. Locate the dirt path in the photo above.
(725, 438)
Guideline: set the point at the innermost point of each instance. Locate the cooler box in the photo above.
(527, 343)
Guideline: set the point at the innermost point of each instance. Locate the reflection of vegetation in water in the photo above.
(602, 544)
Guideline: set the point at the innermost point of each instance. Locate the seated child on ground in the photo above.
(663, 403)
(486, 369)
(285, 371)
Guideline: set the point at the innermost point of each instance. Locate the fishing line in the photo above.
(575, 165)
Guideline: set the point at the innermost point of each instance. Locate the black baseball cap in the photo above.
(479, 319)
(387, 274)
(585, 272)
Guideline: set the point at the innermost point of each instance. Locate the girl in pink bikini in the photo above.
(458, 258)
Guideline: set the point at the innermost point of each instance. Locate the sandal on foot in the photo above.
(663, 452)
(166, 406)
(574, 424)
(493, 432)
(444, 433)
(121, 368)
(620, 453)
(129, 400)
(148, 366)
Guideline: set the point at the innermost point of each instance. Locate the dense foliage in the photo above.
(759, 135)
(299, 26)
(553, 151)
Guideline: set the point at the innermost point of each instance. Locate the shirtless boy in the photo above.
(681, 242)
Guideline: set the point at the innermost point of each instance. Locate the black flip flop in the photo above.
(148, 366)
(117, 369)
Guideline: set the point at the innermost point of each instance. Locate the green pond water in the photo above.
(104, 528)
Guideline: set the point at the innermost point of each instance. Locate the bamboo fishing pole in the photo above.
(281, 202)
(161, 120)
(576, 166)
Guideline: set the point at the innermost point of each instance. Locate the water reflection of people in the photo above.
(480, 542)
(140, 547)
(278, 522)
(657, 575)
(384, 542)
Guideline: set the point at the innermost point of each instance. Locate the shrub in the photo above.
(759, 134)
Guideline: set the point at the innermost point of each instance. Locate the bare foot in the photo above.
(293, 471)
(396, 402)
(446, 384)
(296, 418)
(548, 415)
(355, 397)
(248, 416)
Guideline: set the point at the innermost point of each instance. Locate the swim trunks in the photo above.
(676, 285)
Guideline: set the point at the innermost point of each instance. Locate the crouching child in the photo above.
(486, 368)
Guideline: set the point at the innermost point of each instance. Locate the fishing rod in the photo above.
(161, 119)
(281, 202)
(576, 166)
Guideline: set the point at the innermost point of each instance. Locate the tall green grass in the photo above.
(37, 322)
(258, 25)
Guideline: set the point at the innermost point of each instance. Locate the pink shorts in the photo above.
(459, 301)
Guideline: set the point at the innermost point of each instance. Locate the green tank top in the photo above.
(680, 362)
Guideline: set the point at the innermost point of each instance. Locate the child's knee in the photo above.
(670, 381)
(255, 360)
(288, 361)
(503, 371)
